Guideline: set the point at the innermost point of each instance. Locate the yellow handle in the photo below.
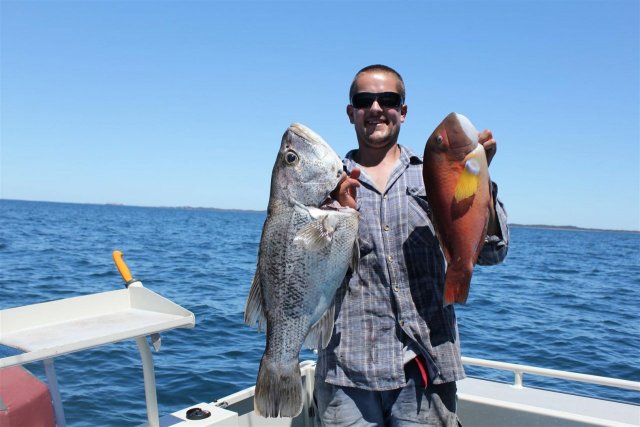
(122, 267)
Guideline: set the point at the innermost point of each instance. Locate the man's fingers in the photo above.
(345, 192)
(490, 146)
(485, 135)
(353, 184)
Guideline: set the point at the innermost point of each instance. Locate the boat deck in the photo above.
(480, 403)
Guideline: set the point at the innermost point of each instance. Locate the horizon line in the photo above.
(187, 207)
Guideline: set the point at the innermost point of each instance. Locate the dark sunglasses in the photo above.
(385, 99)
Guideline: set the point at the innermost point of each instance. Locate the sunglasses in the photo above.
(385, 99)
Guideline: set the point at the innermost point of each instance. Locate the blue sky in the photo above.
(184, 103)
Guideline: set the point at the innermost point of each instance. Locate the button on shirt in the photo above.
(393, 304)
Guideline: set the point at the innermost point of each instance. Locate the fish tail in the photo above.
(456, 285)
(278, 390)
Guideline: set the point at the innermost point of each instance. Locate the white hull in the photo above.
(480, 403)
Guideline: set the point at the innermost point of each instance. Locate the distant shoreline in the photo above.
(514, 225)
(570, 228)
(123, 205)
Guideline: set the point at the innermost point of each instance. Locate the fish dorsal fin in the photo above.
(322, 330)
(468, 182)
(253, 312)
(317, 234)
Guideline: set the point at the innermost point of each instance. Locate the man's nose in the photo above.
(375, 106)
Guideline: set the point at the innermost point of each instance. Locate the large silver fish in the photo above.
(305, 253)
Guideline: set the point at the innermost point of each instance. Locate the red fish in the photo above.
(456, 177)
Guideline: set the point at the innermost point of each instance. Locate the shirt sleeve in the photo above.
(495, 247)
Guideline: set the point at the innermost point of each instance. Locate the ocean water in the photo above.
(563, 299)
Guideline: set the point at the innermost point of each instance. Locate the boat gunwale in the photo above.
(519, 370)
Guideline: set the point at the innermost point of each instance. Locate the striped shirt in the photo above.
(392, 305)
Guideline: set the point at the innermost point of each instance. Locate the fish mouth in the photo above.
(331, 202)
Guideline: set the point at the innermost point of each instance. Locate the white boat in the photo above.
(51, 329)
(480, 403)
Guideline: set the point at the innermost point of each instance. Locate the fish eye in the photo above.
(290, 157)
(439, 139)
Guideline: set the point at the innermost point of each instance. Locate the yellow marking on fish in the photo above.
(468, 182)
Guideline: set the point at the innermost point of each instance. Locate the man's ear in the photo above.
(350, 113)
(403, 113)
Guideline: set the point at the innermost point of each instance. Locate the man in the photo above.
(394, 355)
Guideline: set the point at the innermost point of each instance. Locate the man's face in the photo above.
(376, 126)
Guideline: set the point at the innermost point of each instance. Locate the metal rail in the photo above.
(520, 370)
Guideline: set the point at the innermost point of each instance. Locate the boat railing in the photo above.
(520, 370)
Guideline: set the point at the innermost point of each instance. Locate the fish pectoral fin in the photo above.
(317, 234)
(320, 333)
(468, 182)
(253, 311)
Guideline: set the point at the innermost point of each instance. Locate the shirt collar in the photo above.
(407, 157)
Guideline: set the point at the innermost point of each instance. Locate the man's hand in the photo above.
(345, 192)
(490, 146)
